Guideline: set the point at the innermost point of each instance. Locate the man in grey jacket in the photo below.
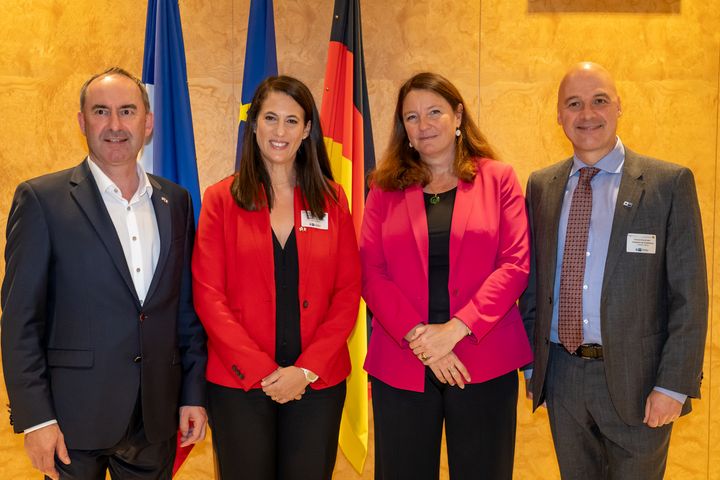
(617, 303)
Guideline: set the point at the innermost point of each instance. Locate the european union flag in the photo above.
(260, 59)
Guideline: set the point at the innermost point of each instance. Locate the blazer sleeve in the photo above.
(529, 297)
(332, 334)
(680, 368)
(227, 337)
(191, 336)
(24, 311)
(501, 289)
(391, 309)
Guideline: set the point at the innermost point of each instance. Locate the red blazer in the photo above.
(489, 264)
(234, 290)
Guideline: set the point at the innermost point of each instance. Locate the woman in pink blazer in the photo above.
(276, 283)
(445, 254)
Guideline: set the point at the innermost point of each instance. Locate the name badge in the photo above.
(308, 220)
(640, 243)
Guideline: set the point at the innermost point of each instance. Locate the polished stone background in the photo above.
(506, 56)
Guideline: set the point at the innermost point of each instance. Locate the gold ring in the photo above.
(423, 357)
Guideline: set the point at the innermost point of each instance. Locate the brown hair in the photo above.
(115, 71)
(252, 188)
(401, 166)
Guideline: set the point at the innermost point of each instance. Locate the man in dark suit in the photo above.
(102, 351)
(616, 307)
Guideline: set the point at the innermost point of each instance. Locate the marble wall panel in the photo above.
(214, 94)
(713, 398)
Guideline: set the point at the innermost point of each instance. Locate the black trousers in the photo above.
(479, 428)
(256, 438)
(132, 458)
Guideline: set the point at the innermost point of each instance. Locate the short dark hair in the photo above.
(115, 71)
(401, 166)
(252, 188)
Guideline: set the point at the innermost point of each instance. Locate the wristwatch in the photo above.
(309, 376)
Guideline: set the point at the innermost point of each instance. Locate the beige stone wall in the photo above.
(506, 56)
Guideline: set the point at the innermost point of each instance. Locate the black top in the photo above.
(287, 306)
(439, 210)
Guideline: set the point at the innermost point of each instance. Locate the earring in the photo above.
(410, 144)
(457, 132)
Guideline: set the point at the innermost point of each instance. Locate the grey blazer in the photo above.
(654, 307)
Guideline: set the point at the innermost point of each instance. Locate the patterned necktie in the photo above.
(572, 273)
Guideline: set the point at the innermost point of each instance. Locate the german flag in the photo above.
(345, 117)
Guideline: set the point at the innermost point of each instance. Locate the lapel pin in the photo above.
(166, 200)
(627, 204)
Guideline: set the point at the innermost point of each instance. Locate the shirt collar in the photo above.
(105, 183)
(610, 163)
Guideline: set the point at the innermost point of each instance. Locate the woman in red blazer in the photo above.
(276, 282)
(444, 249)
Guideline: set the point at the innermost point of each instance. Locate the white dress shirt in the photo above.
(135, 224)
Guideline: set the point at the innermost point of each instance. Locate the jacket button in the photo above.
(306, 304)
(550, 300)
(143, 317)
(137, 359)
(237, 372)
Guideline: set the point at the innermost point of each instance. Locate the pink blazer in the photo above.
(489, 265)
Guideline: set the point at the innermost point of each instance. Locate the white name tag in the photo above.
(308, 220)
(640, 243)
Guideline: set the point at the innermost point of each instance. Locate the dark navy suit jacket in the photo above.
(77, 345)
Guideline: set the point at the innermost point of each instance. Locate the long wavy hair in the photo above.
(252, 188)
(401, 166)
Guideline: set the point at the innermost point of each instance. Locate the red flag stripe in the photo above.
(337, 108)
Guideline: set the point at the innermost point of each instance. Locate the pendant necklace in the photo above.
(435, 198)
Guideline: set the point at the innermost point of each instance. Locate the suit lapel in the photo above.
(461, 213)
(85, 192)
(161, 205)
(418, 220)
(550, 208)
(629, 195)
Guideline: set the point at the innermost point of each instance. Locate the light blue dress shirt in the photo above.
(605, 186)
